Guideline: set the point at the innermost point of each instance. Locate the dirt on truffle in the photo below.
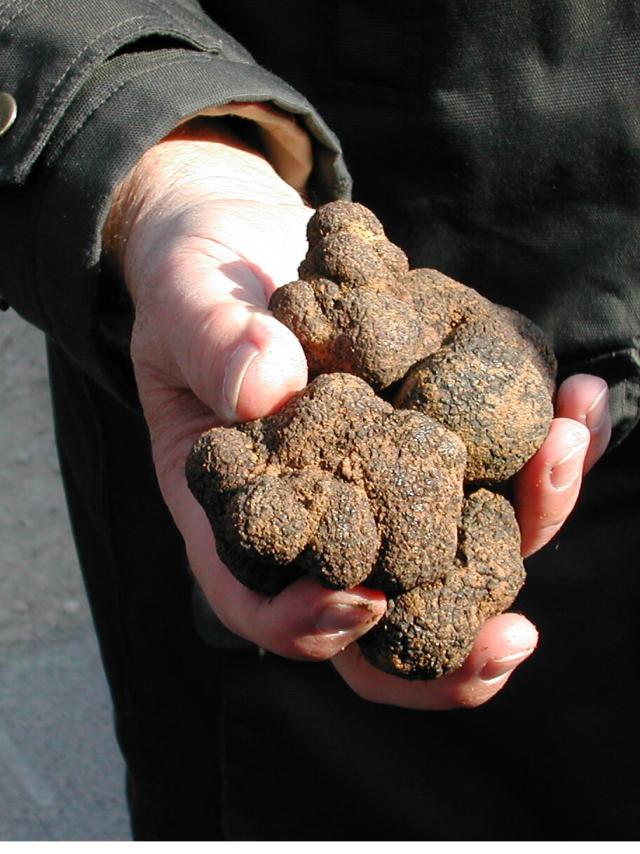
(483, 370)
(422, 391)
(338, 484)
(429, 631)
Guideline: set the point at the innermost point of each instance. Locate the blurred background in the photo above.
(61, 775)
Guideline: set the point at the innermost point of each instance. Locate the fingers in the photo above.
(226, 346)
(215, 230)
(585, 398)
(502, 644)
(305, 621)
(547, 488)
(242, 362)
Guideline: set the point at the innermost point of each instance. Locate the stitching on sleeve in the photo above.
(180, 18)
(17, 13)
(50, 104)
(71, 66)
(107, 97)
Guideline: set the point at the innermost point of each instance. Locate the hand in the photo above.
(205, 231)
(547, 488)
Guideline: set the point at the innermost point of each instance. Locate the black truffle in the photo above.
(483, 370)
(423, 391)
(338, 484)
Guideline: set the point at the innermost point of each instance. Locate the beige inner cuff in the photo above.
(286, 144)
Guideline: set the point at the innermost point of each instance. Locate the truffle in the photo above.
(424, 398)
(483, 370)
(338, 484)
(429, 630)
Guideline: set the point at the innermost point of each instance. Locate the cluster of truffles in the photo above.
(386, 469)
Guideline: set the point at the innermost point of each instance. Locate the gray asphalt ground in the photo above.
(61, 775)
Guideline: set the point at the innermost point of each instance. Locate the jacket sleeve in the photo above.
(96, 85)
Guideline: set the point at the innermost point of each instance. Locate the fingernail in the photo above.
(234, 374)
(597, 414)
(498, 668)
(566, 471)
(342, 619)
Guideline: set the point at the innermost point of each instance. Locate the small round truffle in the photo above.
(349, 308)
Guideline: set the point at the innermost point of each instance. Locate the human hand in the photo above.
(205, 231)
(547, 488)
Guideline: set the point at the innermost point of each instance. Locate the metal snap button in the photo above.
(8, 111)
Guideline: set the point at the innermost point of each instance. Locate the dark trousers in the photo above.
(243, 745)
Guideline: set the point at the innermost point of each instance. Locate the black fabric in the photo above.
(163, 679)
(98, 117)
(70, 45)
(498, 142)
(242, 745)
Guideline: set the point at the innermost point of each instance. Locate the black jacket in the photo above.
(497, 142)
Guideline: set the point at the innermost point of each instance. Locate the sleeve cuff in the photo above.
(286, 145)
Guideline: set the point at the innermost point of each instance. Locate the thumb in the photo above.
(231, 352)
(260, 369)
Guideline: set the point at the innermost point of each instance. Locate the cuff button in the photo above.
(8, 111)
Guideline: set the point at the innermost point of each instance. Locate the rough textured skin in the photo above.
(485, 371)
(485, 384)
(423, 392)
(338, 484)
(429, 631)
(349, 308)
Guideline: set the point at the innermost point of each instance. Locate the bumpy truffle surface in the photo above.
(424, 397)
(485, 371)
(429, 631)
(349, 308)
(338, 484)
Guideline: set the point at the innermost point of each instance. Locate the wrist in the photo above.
(200, 162)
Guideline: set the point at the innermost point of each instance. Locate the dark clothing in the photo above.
(498, 143)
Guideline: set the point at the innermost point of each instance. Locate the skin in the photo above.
(204, 230)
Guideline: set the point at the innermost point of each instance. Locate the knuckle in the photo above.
(311, 648)
(470, 695)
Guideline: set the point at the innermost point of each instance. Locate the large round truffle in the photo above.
(492, 386)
